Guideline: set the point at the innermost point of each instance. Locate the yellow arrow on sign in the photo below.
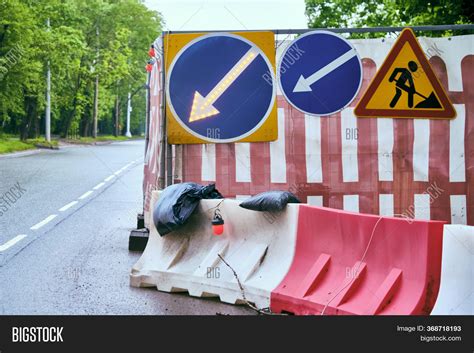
(203, 106)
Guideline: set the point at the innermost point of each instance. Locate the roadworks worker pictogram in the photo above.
(404, 82)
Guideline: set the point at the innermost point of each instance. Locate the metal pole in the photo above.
(129, 110)
(169, 148)
(95, 113)
(162, 174)
(351, 30)
(48, 98)
(169, 164)
(96, 107)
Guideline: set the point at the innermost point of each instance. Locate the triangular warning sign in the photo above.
(405, 86)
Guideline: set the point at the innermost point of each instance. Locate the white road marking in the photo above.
(12, 242)
(43, 222)
(87, 194)
(68, 206)
(109, 178)
(48, 219)
(98, 186)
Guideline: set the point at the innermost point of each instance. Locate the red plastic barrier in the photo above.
(399, 274)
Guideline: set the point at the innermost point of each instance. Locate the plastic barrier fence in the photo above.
(456, 295)
(349, 263)
(258, 246)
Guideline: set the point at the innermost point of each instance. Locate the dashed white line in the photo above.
(48, 219)
(109, 178)
(12, 242)
(98, 186)
(68, 206)
(44, 222)
(87, 194)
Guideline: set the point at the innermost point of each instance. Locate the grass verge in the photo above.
(101, 138)
(8, 145)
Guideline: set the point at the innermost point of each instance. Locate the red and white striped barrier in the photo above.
(423, 168)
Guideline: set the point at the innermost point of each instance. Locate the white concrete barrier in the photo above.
(456, 293)
(258, 246)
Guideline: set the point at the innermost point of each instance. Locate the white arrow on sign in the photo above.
(203, 106)
(304, 84)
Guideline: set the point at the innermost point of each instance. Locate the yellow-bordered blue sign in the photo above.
(221, 88)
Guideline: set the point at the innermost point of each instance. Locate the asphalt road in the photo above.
(64, 236)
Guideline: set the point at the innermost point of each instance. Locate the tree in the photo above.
(20, 71)
(374, 13)
(78, 58)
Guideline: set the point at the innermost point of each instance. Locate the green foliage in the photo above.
(86, 39)
(100, 138)
(376, 13)
(14, 145)
(9, 144)
(41, 142)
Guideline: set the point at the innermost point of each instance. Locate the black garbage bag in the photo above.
(270, 201)
(177, 202)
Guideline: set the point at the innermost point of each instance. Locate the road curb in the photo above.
(20, 154)
(98, 143)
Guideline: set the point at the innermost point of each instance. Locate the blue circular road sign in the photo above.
(320, 73)
(221, 87)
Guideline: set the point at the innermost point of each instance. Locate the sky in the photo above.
(198, 15)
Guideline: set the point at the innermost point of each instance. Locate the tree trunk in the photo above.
(85, 127)
(37, 126)
(25, 128)
(30, 104)
(70, 116)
